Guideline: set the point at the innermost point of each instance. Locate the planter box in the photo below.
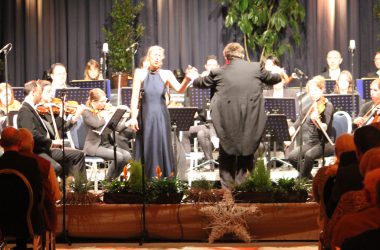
(294, 196)
(253, 197)
(122, 198)
(136, 198)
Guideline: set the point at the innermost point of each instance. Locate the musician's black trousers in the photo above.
(309, 154)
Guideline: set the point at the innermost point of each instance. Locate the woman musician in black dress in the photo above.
(317, 128)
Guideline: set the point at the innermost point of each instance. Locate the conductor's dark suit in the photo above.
(237, 112)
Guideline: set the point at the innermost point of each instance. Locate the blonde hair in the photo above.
(350, 82)
(94, 95)
(3, 87)
(319, 81)
(155, 47)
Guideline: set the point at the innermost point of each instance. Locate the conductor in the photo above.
(237, 111)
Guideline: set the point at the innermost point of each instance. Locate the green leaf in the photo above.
(243, 5)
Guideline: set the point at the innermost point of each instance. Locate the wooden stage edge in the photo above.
(184, 222)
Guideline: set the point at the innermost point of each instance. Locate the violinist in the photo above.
(44, 136)
(369, 112)
(58, 74)
(13, 105)
(100, 145)
(318, 117)
(279, 90)
(45, 112)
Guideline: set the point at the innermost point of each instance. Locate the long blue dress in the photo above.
(154, 124)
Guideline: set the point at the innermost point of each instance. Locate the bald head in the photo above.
(10, 138)
(27, 142)
(334, 59)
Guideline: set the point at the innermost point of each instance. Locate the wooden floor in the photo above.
(191, 246)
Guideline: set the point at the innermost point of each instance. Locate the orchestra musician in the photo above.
(13, 105)
(97, 144)
(318, 117)
(92, 71)
(370, 110)
(46, 145)
(344, 83)
(334, 60)
(58, 74)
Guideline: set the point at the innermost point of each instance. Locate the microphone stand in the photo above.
(6, 82)
(144, 232)
(299, 162)
(64, 230)
(352, 51)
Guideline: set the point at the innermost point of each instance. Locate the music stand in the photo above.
(198, 97)
(344, 103)
(286, 105)
(126, 95)
(101, 84)
(276, 130)
(181, 120)
(75, 94)
(329, 86)
(18, 93)
(363, 87)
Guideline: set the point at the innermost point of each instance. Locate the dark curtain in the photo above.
(69, 31)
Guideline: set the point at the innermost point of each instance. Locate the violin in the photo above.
(372, 113)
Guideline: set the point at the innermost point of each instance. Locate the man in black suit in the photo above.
(334, 59)
(11, 159)
(237, 111)
(44, 146)
(376, 74)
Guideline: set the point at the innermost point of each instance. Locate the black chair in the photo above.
(16, 196)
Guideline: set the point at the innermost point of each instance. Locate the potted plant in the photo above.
(165, 190)
(79, 193)
(125, 190)
(123, 33)
(265, 23)
(257, 187)
(202, 191)
(291, 190)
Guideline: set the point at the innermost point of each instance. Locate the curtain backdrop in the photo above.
(69, 31)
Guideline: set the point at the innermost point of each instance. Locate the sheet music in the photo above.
(115, 118)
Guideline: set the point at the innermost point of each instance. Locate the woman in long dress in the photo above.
(151, 119)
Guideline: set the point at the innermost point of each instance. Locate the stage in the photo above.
(184, 222)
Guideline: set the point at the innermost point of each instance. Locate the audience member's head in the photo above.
(371, 183)
(10, 139)
(370, 160)
(27, 142)
(344, 143)
(365, 138)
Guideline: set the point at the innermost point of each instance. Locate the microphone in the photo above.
(352, 46)
(6, 48)
(132, 46)
(105, 48)
(299, 73)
